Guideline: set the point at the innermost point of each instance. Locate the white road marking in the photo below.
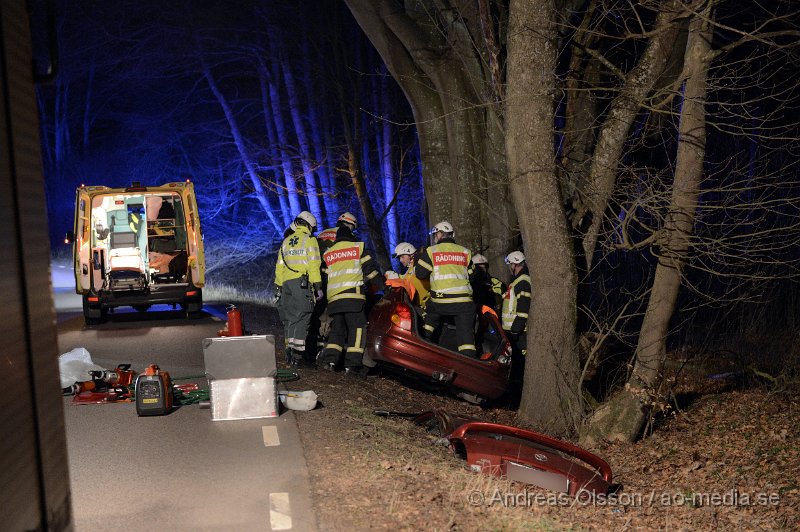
(270, 434)
(280, 511)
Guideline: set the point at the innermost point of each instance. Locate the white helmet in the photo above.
(347, 218)
(391, 274)
(479, 259)
(308, 218)
(404, 248)
(515, 257)
(442, 227)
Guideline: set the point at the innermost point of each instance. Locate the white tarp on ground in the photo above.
(74, 366)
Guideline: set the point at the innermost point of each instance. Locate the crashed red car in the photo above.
(520, 455)
(393, 339)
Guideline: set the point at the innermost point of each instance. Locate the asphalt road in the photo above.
(182, 471)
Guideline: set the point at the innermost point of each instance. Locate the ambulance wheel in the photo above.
(93, 315)
(194, 309)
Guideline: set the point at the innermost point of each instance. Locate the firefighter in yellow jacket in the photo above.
(299, 284)
(350, 267)
(517, 302)
(446, 264)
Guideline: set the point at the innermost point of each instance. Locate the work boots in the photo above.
(295, 358)
(358, 372)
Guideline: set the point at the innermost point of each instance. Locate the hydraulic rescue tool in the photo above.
(121, 376)
(102, 381)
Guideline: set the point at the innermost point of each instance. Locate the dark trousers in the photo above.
(296, 306)
(347, 338)
(464, 317)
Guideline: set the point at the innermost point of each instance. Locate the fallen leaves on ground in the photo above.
(730, 460)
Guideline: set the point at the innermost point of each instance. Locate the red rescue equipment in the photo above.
(234, 325)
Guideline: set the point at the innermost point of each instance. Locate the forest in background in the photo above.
(269, 108)
(273, 108)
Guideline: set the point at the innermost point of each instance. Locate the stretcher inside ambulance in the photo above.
(137, 247)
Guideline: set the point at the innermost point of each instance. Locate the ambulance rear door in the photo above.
(194, 236)
(81, 248)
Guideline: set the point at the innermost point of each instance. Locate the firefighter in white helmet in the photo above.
(327, 237)
(517, 301)
(298, 284)
(404, 252)
(350, 267)
(418, 290)
(486, 289)
(446, 264)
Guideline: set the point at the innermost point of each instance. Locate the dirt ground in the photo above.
(729, 460)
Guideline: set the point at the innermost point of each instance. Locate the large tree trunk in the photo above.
(550, 397)
(445, 83)
(354, 141)
(623, 417)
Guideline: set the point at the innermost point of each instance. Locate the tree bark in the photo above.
(355, 163)
(443, 79)
(283, 141)
(274, 152)
(550, 396)
(239, 141)
(312, 192)
(616, 125)
(623, 417)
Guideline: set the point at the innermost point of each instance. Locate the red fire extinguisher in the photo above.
(234, 325)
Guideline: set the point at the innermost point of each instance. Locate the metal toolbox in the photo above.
(240, 370)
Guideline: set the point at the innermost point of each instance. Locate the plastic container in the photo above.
(306, 400)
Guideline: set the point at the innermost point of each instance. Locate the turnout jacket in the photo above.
(445, 264)
(486, 290)
(298, 256)
(326, 238)
(517, 303)
(349, 267)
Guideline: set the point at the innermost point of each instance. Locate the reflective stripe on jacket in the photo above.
(516, 304)
(446, 264)
(345, 261)
(298, 256)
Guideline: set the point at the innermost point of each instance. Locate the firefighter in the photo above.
(517, 302)
(298, 284)
(486, 289)
(418, 290)
(446, 263)
(320, 319)
(349, 268)
(404, 252)
(327, 237)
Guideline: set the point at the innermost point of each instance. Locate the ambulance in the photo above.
(137, 247)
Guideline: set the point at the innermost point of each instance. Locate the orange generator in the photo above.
(154, 394)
